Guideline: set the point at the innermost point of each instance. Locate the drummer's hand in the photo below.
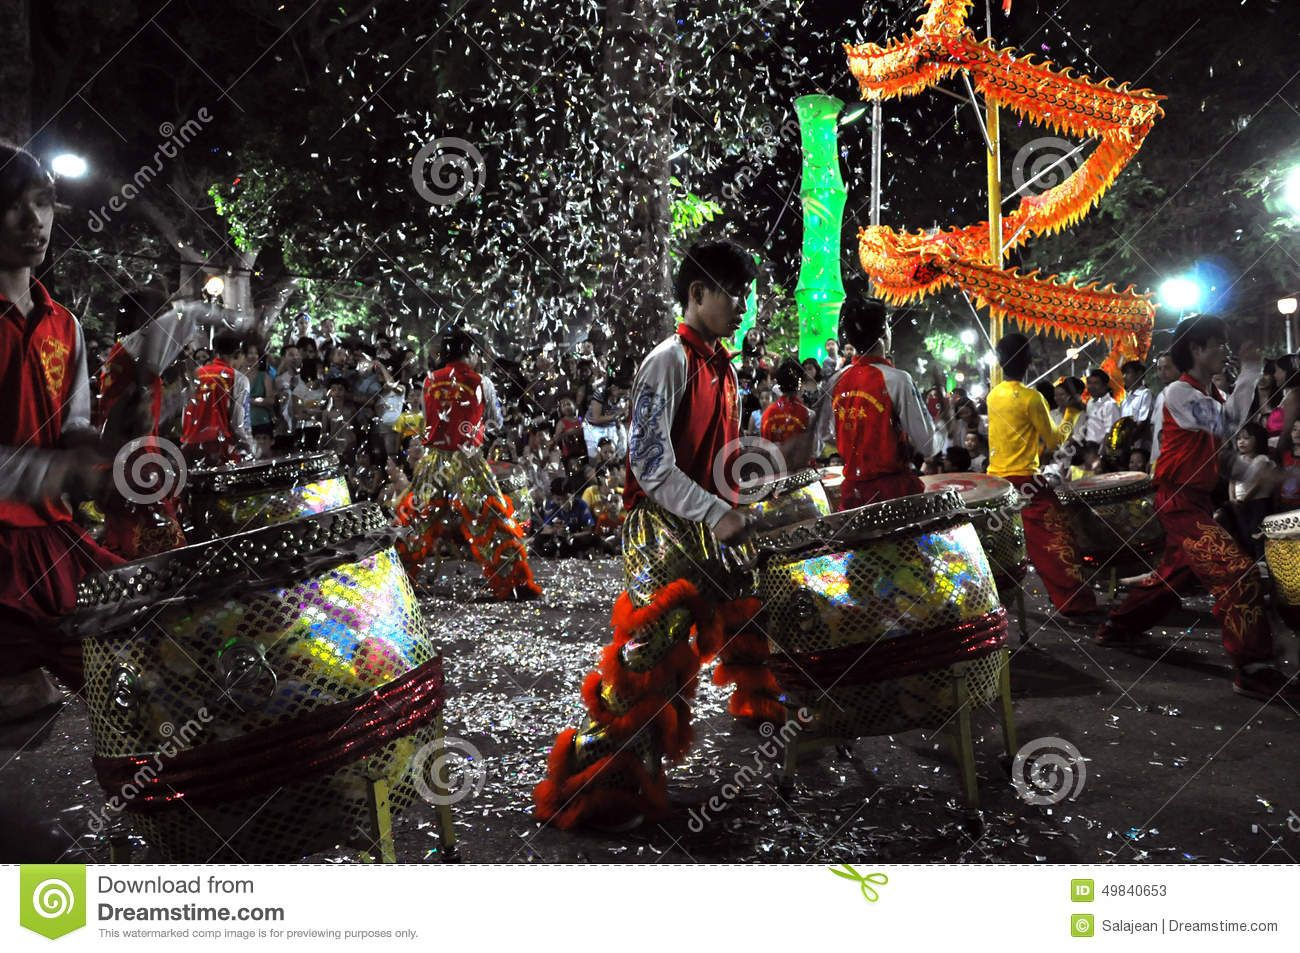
(732, 528)
(1248, 353)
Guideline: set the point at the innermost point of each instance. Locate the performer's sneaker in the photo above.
(1088, 617)
(1110, 635)
(1267, 684)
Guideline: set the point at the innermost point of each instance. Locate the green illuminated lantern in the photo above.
(820, 291)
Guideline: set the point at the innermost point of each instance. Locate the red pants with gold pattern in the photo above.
(1050, 543)
(1196, 547)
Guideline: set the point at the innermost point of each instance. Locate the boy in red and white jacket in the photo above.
(47, 447)
(1195, 441)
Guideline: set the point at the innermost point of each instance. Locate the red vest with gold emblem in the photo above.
(36, 374)
(453, 407)
(207, 415)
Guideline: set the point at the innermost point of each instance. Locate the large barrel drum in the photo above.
(1114, 519)
(225, 500)
(869, 608)
(242, 691)
(1282, 551)
(993, 506)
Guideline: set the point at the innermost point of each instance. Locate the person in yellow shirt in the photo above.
(1019, 426)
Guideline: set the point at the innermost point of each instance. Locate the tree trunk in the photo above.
(639, 58)
(16, 71)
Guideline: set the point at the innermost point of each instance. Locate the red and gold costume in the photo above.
(454, 493)
(208, 425)
(784, 419)
(880, 423)
(681, 608)
(1191, 440)
(43, 553)
(1018, 425)
(134, 529)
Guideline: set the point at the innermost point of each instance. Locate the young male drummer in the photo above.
(1019, 425)
(453, 489)
(679, 496)
(1194, 442)
(879, 421)
(47, 446)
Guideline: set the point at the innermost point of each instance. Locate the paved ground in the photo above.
(1177, 767)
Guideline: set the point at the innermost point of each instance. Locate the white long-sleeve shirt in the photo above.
(1137, 404)
(1099, 417)
(657, 392)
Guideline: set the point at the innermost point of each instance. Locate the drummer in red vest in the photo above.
(453, 489)
(787, 416)
(47, 446)
(214, 429)
(876, 412)
(680, 497)
(1195, 440)
(1019, 426)
(140, 515)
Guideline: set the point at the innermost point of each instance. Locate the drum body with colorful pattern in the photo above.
(868, 610)
(993, 506)
(244, 692)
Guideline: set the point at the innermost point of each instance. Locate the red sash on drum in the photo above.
(299, 749)
(892, 658)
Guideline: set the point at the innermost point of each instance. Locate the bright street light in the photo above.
(968, 337)
(214, 286)
(1287, 305)
(1183, 293)
(69, 166)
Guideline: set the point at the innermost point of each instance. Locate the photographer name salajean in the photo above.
(1187, 926)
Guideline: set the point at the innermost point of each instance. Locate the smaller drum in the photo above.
(785, 500)
(1114, 519)
(993, 506)
(869, 608)
(1282, 551)
(222, 501)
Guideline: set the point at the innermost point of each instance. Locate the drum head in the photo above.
(832, 476)
(254, 475)
(845, 529)
(974, 488)
(1101, 487)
